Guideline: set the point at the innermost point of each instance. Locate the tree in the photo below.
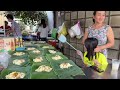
(29, 17)
(22, 26)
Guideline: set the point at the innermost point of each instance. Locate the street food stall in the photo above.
(32, 59)
(35, 60)
(43, 61)
(40, 61)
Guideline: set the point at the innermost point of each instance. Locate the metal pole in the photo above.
(4, 25)
(2, 20)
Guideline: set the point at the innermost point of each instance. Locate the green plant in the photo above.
(25, 33)
(29, 17)
(22, 25)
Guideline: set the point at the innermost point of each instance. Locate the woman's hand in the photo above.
(98, 49)
(80, 53)
(96, 63)
(7, 33)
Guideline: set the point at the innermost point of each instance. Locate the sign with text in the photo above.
(7, 44)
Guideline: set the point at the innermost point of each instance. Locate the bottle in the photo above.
(16, 42)
(12, 45)
(21, 42)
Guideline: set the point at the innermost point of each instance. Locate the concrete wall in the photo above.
(85, 17)
(2, 18)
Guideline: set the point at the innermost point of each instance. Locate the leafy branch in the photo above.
(29, 17)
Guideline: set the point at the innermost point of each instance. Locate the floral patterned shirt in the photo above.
(100, 34)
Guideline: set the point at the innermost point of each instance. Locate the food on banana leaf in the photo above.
(43, 68)
(18, 61)
(45, 47)
(65, 65)
(39, 42)
(38, 59)
(52, 51)
(57, 57)
(15, 75)
(31, 48)
(36, 51)
(19, 53)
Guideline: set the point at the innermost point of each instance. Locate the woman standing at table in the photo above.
(6, 26)
(43, 31)
(100, 31)
(15, 28)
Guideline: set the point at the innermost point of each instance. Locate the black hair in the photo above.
(43, 22)
(94, 13)
(91, 44)
(6, 22)
(9, 16)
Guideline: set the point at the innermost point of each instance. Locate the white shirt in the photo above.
(43, 32)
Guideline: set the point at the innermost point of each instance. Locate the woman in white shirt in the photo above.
(43, 30)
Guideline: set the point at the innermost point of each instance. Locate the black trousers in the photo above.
(43, 39)
(38, 38)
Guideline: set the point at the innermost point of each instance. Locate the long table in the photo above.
(93, 74)
(55, 65)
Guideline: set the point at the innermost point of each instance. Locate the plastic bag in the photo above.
(77, 30)
(62, 30)
(4, 59)
(54, 33)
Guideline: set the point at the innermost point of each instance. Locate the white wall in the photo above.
(50, 16)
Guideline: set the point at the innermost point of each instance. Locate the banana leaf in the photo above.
(7, 71)
(31, 53)
(32, 46)
(42, 44)
(22, 56)
(38, 42)
(27, 43)
(49, 46)
(42, 75)
(44, 51)
(10, 52)
(39, 48)
(71, 71)
(49, 57)
(64, 77)
(22, 65)
(47, 51)
(33, 57)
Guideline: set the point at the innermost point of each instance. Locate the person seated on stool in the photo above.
(96, 60)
